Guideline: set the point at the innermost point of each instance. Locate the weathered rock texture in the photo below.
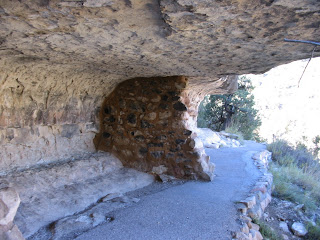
(48, 114)
(59, 59)
(9, 203)
(148, 122)
(211, 139)
(158, 37)
(59, 190)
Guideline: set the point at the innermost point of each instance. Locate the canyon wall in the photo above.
(65, 65)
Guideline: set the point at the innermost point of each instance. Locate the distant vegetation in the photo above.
(266, 231)
(296, 172)
(234, 113)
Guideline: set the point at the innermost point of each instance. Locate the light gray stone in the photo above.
(299, 229)
(9, 202)
(256, 235)
(285, 237)
(111, 196)
(13, 234)
(284, 227)
(160, 169)
(255, 226)
(249, 202)
(245, 228)
(60, 190)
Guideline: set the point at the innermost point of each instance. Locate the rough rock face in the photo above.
(158, 37)
(59, 59)
(9, 203)
(48, 114)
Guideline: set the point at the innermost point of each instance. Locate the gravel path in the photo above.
(194, 210)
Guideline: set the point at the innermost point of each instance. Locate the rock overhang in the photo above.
(60, 58)
(158, 38)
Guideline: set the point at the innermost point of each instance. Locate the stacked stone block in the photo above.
(259, 198)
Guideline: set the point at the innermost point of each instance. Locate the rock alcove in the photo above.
(63, 64)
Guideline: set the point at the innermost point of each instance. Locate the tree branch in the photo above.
(308, 42)
(307, 65)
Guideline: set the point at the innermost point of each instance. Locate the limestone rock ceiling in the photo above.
(158, 38)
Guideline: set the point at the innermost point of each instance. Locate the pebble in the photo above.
(285, 237)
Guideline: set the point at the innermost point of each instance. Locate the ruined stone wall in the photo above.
(148, 122)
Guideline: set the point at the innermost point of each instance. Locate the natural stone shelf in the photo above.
(53, 192)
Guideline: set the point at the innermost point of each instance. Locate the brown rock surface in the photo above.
(48, 114)
(158, 38)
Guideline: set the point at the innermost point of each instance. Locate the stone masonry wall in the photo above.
(146, 123)
(259, 198)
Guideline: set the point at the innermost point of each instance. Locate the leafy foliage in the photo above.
(231, 111)
(313, 232)
(266, 231)
(316, 149)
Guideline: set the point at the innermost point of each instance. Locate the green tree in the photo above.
(316, 149)
(231, 111)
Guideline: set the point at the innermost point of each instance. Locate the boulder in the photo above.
(9, 203)
(284, 227)
(299, 229)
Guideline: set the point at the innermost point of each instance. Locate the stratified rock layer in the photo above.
(59, 190)
(48, 114)
(59, 59)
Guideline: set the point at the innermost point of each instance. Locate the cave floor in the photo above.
(194, 210)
